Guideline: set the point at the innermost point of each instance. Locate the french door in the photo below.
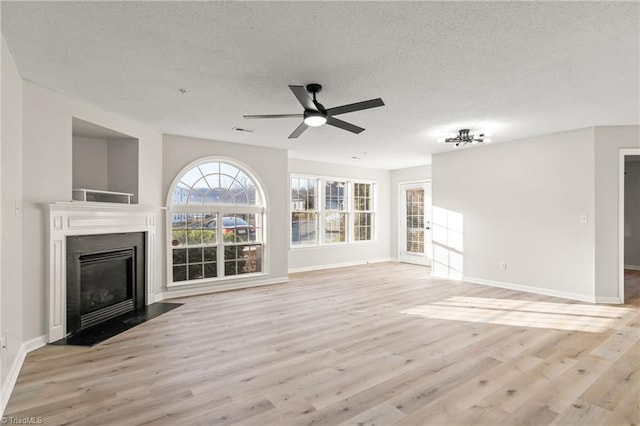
(414, 231)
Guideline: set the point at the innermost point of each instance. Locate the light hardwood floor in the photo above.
(377, 344)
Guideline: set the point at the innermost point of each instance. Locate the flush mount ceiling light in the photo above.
(464, 138)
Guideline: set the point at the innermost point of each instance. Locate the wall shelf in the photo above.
(83, 194)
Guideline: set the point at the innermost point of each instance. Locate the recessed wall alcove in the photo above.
(104, 160)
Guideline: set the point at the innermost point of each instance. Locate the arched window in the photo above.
(216, 214)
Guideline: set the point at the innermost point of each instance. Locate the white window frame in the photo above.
(315, 211)
(346, 211)
(219, 209)
(321, 210)
(372, 210)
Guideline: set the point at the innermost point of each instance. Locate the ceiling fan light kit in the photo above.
(314, 118)
(315, 114)
(464, 137)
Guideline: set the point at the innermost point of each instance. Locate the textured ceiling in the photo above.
(514, 69)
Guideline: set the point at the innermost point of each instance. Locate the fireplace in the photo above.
(67, 220)
(105, 278)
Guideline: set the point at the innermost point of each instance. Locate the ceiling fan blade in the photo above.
(344, 125)
(358, 106)
(273, 116)
(303, 97)
(299, 130)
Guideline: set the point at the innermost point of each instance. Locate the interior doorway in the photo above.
(629, 224)
(414, 242)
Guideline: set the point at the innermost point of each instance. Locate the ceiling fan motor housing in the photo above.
(314, 88)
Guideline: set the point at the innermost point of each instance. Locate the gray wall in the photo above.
(397, 177)
(90, 163)
(106, 164)
(269, 166)
(122, 166)
(301, 258)
(521, 202)
(632, 213)
(11, 287)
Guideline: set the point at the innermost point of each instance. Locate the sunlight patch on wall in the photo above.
(521, 313)
(448, 246)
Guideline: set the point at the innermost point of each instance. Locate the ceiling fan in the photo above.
(315, 114)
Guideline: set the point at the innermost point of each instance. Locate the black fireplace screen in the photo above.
(105, 279)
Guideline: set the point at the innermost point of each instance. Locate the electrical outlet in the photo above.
(503, 266)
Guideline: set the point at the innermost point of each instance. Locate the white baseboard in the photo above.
(153, 298)
(14, 371)
(531, 289)
(632, 267)
(216, 288)
(609, 300)
(339, 265)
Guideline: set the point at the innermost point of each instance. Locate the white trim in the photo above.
(321, 210)
(609, 300)
(338, 265)
(227, 279)
(532, 289)
(35, 343)
(156, 298)
(198, 290)
(632, 267)
(263, 201)
(331, 178)
(623, 152)
(81, 218)
(260, 208)
(402, 255)
(10, 382)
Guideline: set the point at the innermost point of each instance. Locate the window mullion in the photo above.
(321, 210)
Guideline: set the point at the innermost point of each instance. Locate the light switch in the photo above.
(584, 218)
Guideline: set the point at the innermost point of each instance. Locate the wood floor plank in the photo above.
(376, 344)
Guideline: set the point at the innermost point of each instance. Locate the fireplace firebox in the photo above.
(105, 278)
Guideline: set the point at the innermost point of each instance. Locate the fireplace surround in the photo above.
(68, 220)
(105, 277)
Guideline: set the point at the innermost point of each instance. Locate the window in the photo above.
(335, 216)
(331, 211)
(415, 220)
(363, 211)
(304, 215)
(216, 219)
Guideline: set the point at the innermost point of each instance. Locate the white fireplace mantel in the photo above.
(86, 218)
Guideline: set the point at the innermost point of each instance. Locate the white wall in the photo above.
(268, 165)
(11, 312)
(397, 177)
(608, 142)
(47, 156)
(632, 213)
(90, 163)
(521, 203)
(302, 258)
